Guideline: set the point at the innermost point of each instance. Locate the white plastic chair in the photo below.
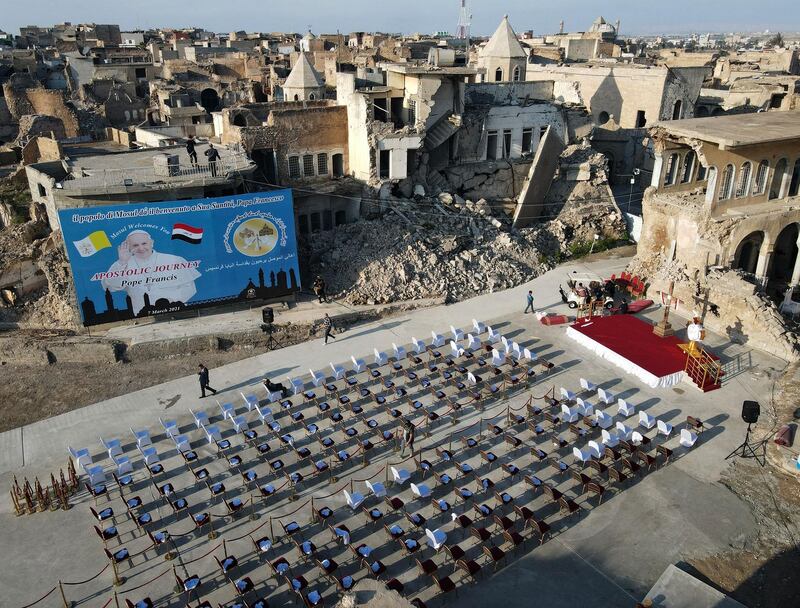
(400, 476)
(529, 355)
(498, 357)
(623, 431)
(625, 409)
(250, 401)
(273, 397)
(226, 409)
(338, 371)
(170, 427)
(586, 408)
(478, 326)
(437, 340)
(112, 446)
(603, 420)
(458, 335)
(377, 488)
(212, 433)
(583, 456)
(150, 455)
(646, 420)
(567, 394)
(358, 365)
(380, 357)
(605, 396)
(200, 418)
(569, 414)
(354, 500)
(297, 385)
(609, 439)
(688, 439)
(516, 350)
(664, 428)
(455, 350)
(265, 414)
(95, 474)
(142, 437)
(317, 378)
(471, 378)
(123, 464)
(595, 449)
(240, 423)
(494, 335)
(436, 538)
(588, 386)
(421, 490)
(399, 352)
(636, 438)
(182, 443)
(419, 346)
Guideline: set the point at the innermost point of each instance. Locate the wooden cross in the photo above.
(704, 300)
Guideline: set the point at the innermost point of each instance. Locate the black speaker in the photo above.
(750, 411)
(267, 315)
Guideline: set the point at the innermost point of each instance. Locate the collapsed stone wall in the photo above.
(492, 180)
(34, 125)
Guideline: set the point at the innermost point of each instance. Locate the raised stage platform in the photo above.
(629, 343)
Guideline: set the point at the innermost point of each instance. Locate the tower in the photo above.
(462, 29)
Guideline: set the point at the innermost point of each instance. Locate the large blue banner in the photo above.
(143, 259)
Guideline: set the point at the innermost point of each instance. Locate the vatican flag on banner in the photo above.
(92, 244)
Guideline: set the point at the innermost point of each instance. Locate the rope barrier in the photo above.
(151, 580)
(383, 470)
(266, 521)
(305, 504)
(88, 579)
(197, 559)
(332, 494)
(111, 599)
(44, 597)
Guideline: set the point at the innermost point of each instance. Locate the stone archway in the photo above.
(747, 252)
(209, 99)
(784, 255)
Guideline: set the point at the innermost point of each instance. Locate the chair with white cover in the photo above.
(297, 385)
(646, 420)
(586, 408)
(478, 326)
(274, 396)
(498, 357)
(123, 464)
(377, 488)
(265, 414)
(603, 420)
(112, 446)
(399, 352)
(421, 490)
(688, 439)
(494, 335)
(400, 476)
(338, 371)
(150, 455)
(506, 343)
(437, 340)
(569, 414)
(95, 473)
(240, 423)
(528, 355)
(200, 418)
(358, 365)
(580, 455)
(516, 350)
(595, 449)
(354, 500)
(142, 437)
(380, 357)
(317, 378)
(587, 385)
(436, 538)
(170, 427)
(472, 379)
(212, 433)
(419, 346)
(182, 443)
(605, 396)
(250, 400)
(458, 334)
(455, 350)
(567, 394)
(624, 431)
(610, 440)
(624, 408)
(226, 409)
(664, 428)
(637, 438)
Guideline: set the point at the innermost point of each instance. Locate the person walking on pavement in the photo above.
(204, 381)
(190, 143)
(213, 157)
(327, 325)
(530, 303)
(407, 439)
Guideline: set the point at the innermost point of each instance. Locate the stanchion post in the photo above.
(271, 532)
(117, 580)
(177, 588)
(253, 514)
(212, 534)
(116, 599)
(224, 549)
(63, 595)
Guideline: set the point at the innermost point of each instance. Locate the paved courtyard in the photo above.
(492, 458)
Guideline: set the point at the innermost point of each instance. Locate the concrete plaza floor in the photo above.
(610, 555)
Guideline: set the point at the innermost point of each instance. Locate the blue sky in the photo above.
(637, 16)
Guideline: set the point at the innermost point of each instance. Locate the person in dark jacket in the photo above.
(190, 143)
(213, 158)
(204, 381)
(327, 325)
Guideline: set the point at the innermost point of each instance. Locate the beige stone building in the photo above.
(304, 82)
(503, 59)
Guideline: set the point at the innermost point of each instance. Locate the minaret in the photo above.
(561, 27)
(462, 29)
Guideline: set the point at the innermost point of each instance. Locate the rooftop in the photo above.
(404, 68)
(738, 130)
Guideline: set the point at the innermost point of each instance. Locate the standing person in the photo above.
(319, 289)
(327, 324)
(190, 143)
(530, 303)
(407, 440)
(213, 157)
(204, 379)
(322, 295)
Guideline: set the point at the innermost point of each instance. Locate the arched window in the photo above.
(776, 188)
(516, 74)
(312, 97)
(671, 174)
(794, 185)
(677, 110)
(711, 184)
(688, 167)
(297, 98)
(744, 180)
(726, 185)
(498, 75)
(603, 118)
(762, 172)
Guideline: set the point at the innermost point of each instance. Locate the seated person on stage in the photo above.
(275, 388)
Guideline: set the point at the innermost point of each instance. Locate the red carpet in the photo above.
(633, 339)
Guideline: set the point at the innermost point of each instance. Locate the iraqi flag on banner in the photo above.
(185, 232)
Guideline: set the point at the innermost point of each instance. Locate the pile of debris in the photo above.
(448, 247)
